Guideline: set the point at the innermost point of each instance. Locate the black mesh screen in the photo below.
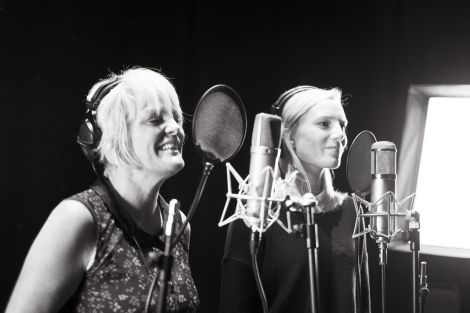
(358, 165)
(219, 124)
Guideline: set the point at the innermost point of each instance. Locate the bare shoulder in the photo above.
(56, 261)
(70, 223)
(72, 209)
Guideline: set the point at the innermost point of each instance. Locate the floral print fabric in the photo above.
(118, 280)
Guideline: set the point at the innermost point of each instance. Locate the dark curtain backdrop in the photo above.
(52, 52)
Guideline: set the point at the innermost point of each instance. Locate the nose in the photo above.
(339, 135)
(172, 127)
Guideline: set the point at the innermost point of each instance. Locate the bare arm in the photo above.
(56, 261)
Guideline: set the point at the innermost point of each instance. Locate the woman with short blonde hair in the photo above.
(92, 254)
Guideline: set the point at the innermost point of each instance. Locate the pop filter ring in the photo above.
(358, 162)
(233, 95)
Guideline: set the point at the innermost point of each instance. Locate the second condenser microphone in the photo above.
(265, 147)
(383, 180)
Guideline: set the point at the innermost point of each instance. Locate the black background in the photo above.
(52, 52)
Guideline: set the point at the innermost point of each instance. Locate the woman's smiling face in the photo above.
(320, 136)
(157, 139)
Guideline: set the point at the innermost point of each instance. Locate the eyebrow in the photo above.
(150, 112)
(334, 117)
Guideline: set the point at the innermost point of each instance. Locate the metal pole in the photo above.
(383, 264)
(414, 247)
(312, 251)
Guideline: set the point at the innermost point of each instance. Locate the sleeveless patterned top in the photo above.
(118, 281)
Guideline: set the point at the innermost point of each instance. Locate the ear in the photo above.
(291, 139)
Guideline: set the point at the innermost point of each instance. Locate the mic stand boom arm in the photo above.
(208, 166)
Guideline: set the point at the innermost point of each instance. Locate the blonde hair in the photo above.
(138, 88)
(297, 106)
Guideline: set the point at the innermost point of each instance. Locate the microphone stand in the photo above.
(254, 245)
(420, 288)
(208, 166)
(170, 242)
(308, 202)
(164, 263)
(312, 251)
(423, 287)
(165, 270)
(383, 264)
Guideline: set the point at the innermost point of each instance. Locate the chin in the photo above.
(172, 171)
(181, 165)
(171, 167)
(334, 165)
(178, 166)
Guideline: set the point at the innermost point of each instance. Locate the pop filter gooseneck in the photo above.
(358, 163)
(219, 129)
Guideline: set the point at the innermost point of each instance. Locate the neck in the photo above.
(315, 179)
(139, 193)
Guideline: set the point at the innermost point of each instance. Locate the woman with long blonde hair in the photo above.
(313, 141)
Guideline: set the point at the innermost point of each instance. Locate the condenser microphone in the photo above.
(383, 181)
(265, 148)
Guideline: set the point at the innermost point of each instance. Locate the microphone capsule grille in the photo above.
(383, 158)
(267, 131)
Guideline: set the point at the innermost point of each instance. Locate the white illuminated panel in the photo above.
(443, 189)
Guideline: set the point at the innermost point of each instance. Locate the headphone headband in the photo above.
(278, 106)
(101, 92)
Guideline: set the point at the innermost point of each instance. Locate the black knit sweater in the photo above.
(283, 262)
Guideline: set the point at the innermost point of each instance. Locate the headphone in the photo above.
(89, 134)
(278, 106)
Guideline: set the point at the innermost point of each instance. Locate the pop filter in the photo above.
(219, 124)
(358, 163)
(219, 128)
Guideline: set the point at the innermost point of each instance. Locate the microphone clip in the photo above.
(397, 214)
(269, 213)
(412, 217)
(296, 204)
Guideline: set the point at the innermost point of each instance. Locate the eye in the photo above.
(177, 117)
(324, 124)
(155, 120)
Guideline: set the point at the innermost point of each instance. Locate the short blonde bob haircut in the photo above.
(137, 89)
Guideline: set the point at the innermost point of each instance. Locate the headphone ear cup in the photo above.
(88, 139)
(89, 133)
